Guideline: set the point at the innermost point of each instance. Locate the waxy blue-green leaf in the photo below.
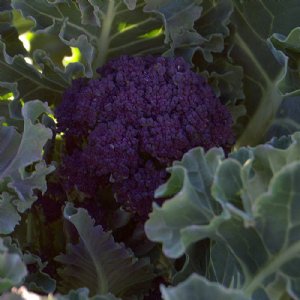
(100, 29)
(9, 34)
(27, 82)
(286, 49)
(12, 269)
(18, 152)
(80, 294)
(255, 22)
(288, 53)
(28, 75)
(38, 281)
(198, 288)
(254, 202)
(190, 185)
(99, 263)
(9, 217)
(211, 57)
(179, 18)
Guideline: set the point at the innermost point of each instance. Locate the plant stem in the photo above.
(103, 42)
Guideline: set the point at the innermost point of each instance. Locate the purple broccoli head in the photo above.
(126, 127)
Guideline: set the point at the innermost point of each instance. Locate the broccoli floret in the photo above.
(126, 127)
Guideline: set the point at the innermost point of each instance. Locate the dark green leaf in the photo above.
(98, 262)
(255, 22)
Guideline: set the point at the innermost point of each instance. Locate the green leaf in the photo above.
(27, 82)
(178, 19)
(22, 24)
(12, 269)
(22, 169)
(221, 266)
(81, 294)
(213, 27)
(289, 54)
(286, 49)
(226, 80)
(212, 58)
(255, 22)
(40, 79)
(94, 27)
(9, 34)
(38, 281)
(287, 118)
(54, 47)
(190, 184)
(198, 288)
(9, 217)
(98, 262)
(255, 221)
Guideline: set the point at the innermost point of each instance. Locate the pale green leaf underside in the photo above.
(254, 212)
(198, 288)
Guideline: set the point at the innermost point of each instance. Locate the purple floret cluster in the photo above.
(126, 127)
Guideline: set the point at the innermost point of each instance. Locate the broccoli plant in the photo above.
(117, 123)
(123, 129)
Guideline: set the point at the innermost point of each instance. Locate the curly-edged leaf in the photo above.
(38, 281)
(22, 169)
(255, 22)
(22, 24)
(98, 262)
(9, 217)
(81, 294)
(100, 29)
(271, 247)
(9, 34)
(256, 222)
(179, 18)
(198, 288)
(19, 77)
(289, 54)
(12, 269)
(213, 26)
(226, 80)
(55, 48)
(192, 204)
(27, 82)
(212, 59)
